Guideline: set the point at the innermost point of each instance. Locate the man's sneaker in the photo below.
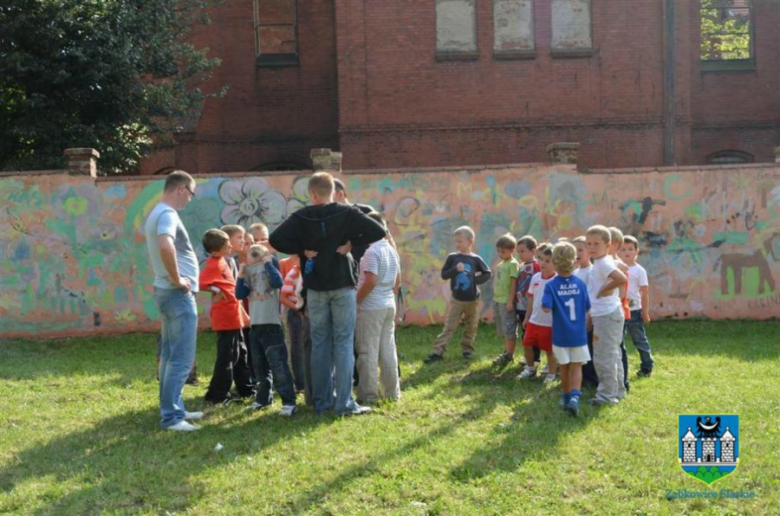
(503, 359)
(433, 357)
(357, 410)
(468, 355)
(288, 410)
(528, 372)
(259, 406)
(193, 416)
(598, 401)
(644, 374)
(182, 426)
(549, 378)
(573, 407)
(545, 370)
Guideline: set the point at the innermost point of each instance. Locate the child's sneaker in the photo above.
(545, 370)
(573, 407)
(562, 401)
(644, 374)
(468, 355)
(528, 372)
(259, 406)
(523, 361)
(288, 410)
(549, 378)
(433, 357)
(503, 359)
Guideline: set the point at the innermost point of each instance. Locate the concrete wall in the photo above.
(73, 259)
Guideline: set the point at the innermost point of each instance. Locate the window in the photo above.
(571, 28)
(726, 34)
(276, 32)
(729, 157)
(456, 29)
(513, 29)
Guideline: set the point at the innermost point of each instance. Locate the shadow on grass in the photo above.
(533, 431)
(127, 463)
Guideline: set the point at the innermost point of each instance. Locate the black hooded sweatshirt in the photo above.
(323, 228)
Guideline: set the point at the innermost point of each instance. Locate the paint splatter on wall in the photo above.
(73, 257)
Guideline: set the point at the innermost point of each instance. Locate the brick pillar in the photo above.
(325, 160)
(777, 154)
(564, 152)
(82, 161)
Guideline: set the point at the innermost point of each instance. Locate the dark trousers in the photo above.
(624, 359)
(589, 376)
(230, 367)
(270, 364)
(245, 333)
(300, 351)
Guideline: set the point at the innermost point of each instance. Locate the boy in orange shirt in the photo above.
(228, 317)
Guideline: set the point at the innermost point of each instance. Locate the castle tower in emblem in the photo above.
(727, 446)
(689, 446)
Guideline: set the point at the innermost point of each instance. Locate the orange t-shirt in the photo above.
(227, 314)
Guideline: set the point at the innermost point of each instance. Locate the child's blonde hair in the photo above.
(579, 240)
(563, 256)
(600, 231)
(506, 241)
(464, 231)
(258, 251)
(616, 235)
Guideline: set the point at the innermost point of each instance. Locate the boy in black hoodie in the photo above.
(315, 233)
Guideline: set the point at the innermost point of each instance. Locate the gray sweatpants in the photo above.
(607, 335)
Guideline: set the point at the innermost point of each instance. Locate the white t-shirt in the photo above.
(637, 277)
(383, 261)
(583, 273)
(538, 316)
(598, 277)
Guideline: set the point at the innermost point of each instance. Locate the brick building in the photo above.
(432, 83)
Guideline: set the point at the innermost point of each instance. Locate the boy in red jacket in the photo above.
(228, 317)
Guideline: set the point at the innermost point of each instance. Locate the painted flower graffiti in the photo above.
(251, 200)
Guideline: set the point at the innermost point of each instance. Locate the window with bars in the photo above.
(726, 31)
(276, 32)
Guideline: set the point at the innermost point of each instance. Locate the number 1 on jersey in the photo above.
(572, 313)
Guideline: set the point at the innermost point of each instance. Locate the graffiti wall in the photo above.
(73, 259)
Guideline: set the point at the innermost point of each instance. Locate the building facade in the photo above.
(435, 83)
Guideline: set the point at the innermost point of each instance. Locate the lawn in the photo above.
(79, 433)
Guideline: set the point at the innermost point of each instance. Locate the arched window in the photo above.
(729, 157)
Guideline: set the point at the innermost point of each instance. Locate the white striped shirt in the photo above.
(383, 261)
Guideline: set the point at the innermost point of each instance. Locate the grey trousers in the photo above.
(607, 335)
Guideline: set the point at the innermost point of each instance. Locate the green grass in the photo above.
(79, 434)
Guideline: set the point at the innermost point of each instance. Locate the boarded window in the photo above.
(726, 30)
(513, 26)
(456, 28)
(276, 32)
(571, 26)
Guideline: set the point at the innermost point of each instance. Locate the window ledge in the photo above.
(457, 56)
(735, 65)
(502, 55)
(277, 60)
(572, 53)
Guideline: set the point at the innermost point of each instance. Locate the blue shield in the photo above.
(708, 445)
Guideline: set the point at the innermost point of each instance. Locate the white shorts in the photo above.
(575, 355)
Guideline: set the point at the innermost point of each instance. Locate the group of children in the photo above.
(350, 312)
(573, 300)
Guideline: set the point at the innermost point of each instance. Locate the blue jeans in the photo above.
(179, 317)
(332, 321)
(270, 364)
(636, 328)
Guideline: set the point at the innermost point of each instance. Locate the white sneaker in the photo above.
(183, 426)
(193, 416)
(550, 378)
(528, 372)
(288, 410)
(545, 370)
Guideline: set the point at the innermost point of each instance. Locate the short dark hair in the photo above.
(321, 183)
(338, 184)
(630, 239)
(379, 218)
(528, 241)
(214, 240)
(232, 229)
(176, 179)
(506, 241)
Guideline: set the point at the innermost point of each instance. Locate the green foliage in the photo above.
(725, 31)
(107, 74)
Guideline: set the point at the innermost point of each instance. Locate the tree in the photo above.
(108, 74)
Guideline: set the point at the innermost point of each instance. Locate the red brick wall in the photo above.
(268, 114)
